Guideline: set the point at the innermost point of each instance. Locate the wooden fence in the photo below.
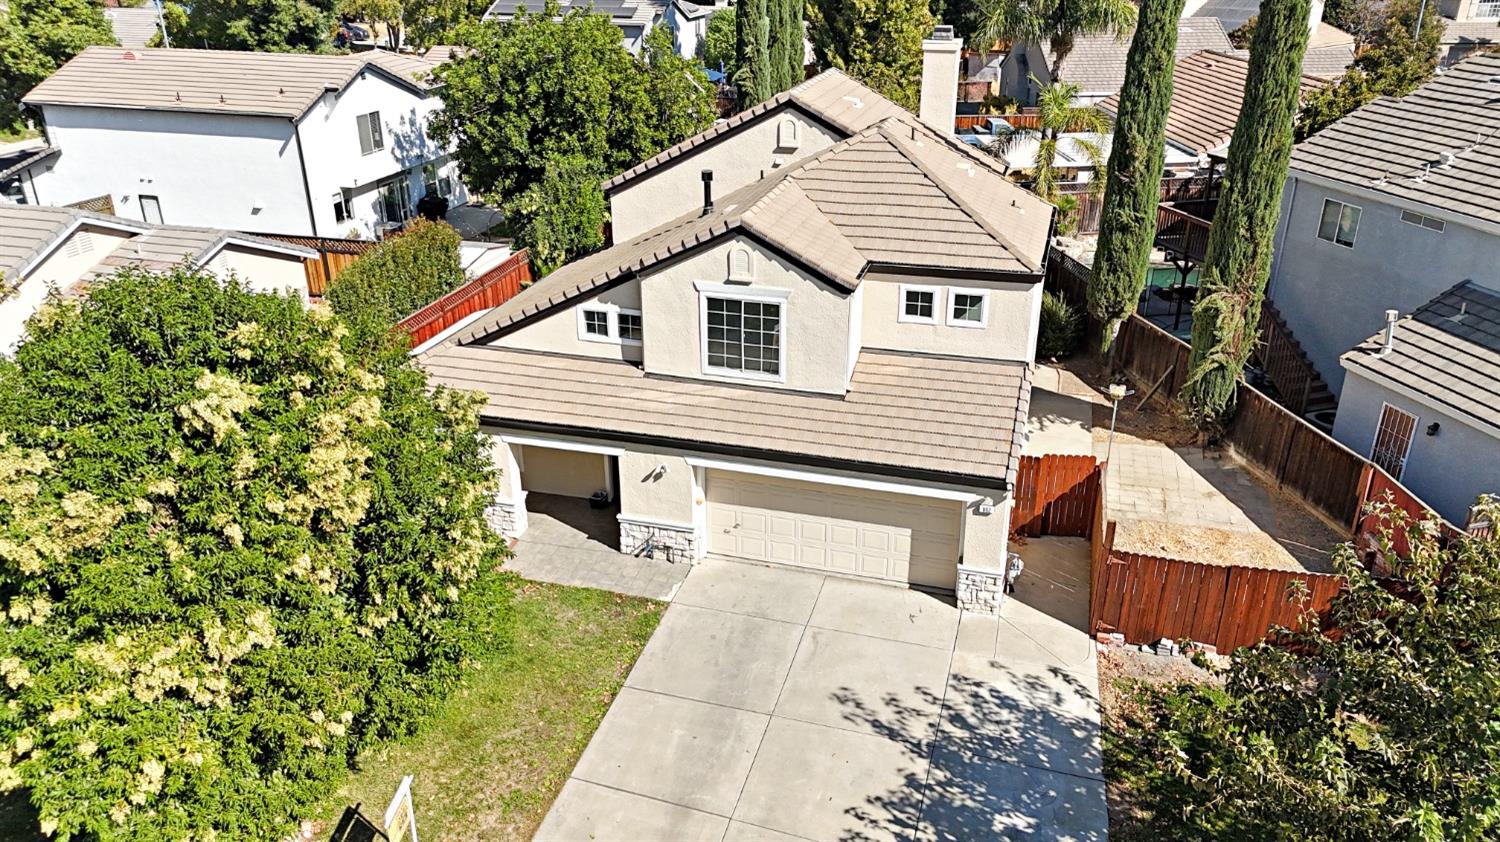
(1056, 495)
(488, 290)
(335, 254)
(1194, 196)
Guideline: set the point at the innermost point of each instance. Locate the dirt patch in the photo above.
(1204, 544)
(1156, 421)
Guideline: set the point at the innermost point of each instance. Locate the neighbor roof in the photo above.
(1097, 62)
(214, 81)
(896, 195)
(1208, 89)
(831, 96)
(1438, 145)
(621, 12)
(28, 232)
(1469, 32)
(1231, 13)
(15, 160)
(1448, 351)
(913, 413)
(134, 27)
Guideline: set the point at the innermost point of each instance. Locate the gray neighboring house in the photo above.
(1387, 208)
(1424, 401)
(634, 17)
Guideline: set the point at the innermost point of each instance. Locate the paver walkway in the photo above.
(778, 705)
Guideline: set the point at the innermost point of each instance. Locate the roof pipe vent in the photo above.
(708, 192)
(1390, 332)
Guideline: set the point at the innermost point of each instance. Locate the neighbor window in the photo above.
(395, 200)
(919, 304)
(743, 335)
(435, 184)
(1340, 223)
(630, 327)
(371, 137)
(1427, 222)
(151, 209)
(1487, 9)
(966, 307)
(340, 208)
(596, 323)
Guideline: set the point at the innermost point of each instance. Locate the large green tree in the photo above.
(514, 110)
(787, 42)
(264, 25)
(1395, 64)
(718, 47)
(1132, 190)
(236, 544)
(878, 42)
(430, 22)
(1386, 726)
(36, 38)
(1057, 23)
(753, 75)
(1232, 285)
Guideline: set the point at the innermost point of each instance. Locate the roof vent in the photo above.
(1463, 311)
(708, 192)
(856, 101)
(1390, 332)
(129, 55)
(1446, 160)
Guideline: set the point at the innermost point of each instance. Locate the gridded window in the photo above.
(630, 327)
(1339, 224)
(371, 135)
(1487, 9)
(920, 304)
(596, 322)
(744, 335)
(968, 308)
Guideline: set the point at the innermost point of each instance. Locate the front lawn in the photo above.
(491, 762)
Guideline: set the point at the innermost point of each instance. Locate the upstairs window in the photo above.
(743, 336)
(371, 136)
(1430, 223)
(630, 327)
(967, 307)
(596, 323)
(919, 304)
(609, 323)
(1339, 224)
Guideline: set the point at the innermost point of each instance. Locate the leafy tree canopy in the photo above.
(1395, 64)
(878, 42)
(540, 90)
(266, 25)
(399, 277)
(36, 38)
(1383, 727)
(1060, 114)
(717, 47)
(560, 216)
(431, 22)
(1057, 23)
(235, 546)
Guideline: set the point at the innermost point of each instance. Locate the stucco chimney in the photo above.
(1390, 332)
(940, 58)
(1315, 17)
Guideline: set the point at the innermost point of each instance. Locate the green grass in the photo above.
(13, 134)
(489, 765)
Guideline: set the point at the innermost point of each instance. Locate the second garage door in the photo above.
(823, 527)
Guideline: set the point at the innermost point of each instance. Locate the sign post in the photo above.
(401, 817)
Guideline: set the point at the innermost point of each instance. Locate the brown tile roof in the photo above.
(1208, 89)
(1451, 359)
(841, 101)
(903, 412)
(1470, 31)
(29, 231)
(897, 193)
(1097, 62)
(1438, 145)
(213, 81)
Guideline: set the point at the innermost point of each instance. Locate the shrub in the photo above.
(399, 276)
(1061, 326)
(235, 547)
(561, 216)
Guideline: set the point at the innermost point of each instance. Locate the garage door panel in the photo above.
(875, 534)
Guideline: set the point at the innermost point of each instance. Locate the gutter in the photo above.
(312, 218)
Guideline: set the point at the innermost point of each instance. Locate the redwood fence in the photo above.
(1056, 495)
(335, 254)
(488, 290)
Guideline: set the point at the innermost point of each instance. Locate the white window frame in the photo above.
(939, 301)
(763, 295)
(615, 325)
(1416, 424)
(1423, 221)
(341, 209)
(984, 307)
(1323, 209)
(612, 313)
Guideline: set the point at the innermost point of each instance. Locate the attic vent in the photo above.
(79, 244)
(741, 264)
(788, 134)
(856, 101)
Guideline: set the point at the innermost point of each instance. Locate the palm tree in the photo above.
(1058, 114)
(1057, 22)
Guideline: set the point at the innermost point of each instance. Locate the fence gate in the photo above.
(1055, 495)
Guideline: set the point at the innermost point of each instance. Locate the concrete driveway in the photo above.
(778, 705)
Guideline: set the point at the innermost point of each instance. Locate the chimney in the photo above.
(940, 59)
(1390, 332)
(708, 192)
(1314, 17)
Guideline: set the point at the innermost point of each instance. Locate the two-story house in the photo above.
(1386, 208)
(827, 367)
(64, 249)
(635, 18)
(324, 145)
(1468, 26)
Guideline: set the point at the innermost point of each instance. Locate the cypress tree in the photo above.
(786, 43)
(1232, 282)
(1133, 178)
(754, 76)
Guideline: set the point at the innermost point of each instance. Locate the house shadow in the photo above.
(1014, 754)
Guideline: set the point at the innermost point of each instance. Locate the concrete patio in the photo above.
(776, 704)
(568, 543)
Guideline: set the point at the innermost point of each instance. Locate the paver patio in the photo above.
(778, 704)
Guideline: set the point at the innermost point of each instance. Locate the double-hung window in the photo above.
(968, 307)
(1339, 223)
(743, 336)
(609, 323)
(920, 304)
(371, 136)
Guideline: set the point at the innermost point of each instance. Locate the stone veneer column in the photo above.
(674, 543)
(980, 591)
(507, 518)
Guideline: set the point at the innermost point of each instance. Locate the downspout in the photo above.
(1291, 205)
(306, 189)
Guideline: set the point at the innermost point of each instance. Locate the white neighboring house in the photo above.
(1468, 25)
(66, 249)
(689, 24)
(292, 144)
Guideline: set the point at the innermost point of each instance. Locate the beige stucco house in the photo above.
(826, 365)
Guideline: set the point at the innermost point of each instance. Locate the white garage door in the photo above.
(826, 527)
